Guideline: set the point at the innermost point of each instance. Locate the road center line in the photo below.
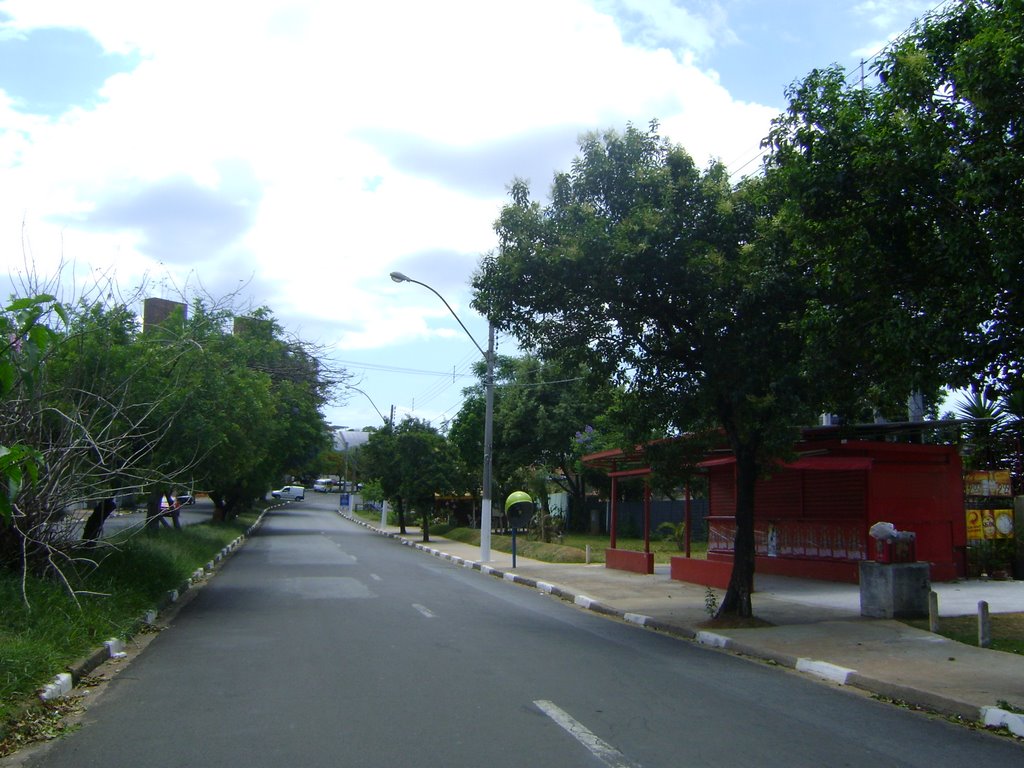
(424, 610)
(603, 751)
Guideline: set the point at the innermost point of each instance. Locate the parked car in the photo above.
(290, 493)
(186, 498)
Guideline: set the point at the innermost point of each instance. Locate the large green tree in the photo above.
(541, 408)
(412, 462)
(906, 194)
(649, 270)
(698, 298)
(189, 403)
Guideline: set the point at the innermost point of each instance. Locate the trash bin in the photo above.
(901, 548)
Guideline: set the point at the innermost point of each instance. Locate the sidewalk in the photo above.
(817, 628)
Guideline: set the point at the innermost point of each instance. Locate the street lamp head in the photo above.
(485, 502)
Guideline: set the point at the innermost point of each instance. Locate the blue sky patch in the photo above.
(49, 71)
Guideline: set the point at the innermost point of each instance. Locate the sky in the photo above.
(292, 153)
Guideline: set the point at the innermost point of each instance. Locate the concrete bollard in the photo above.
(933, 612)
(984, 625)
(588, 554)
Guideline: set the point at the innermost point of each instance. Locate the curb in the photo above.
(990, 717)
(113, 648)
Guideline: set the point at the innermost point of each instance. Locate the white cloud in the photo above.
(341, 140)
(890, 16)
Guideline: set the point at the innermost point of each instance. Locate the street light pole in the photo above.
(357, 389)
(384, 504)
(485, 503)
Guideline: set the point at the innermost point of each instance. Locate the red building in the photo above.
(812, 515)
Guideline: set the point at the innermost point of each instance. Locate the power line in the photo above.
(395, 369)
(856, 73)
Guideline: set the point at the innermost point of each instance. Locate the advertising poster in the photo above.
(989, 524)
(988, 483)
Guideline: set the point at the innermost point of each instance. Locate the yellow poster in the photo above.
(988, 483)
(1003, 523)
(989, 524)
(974, 529)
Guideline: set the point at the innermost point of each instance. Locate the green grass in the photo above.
(42, 627)
(663, 551)
(555, 552)
(536, 550)
(1007, 630)
(573, 546)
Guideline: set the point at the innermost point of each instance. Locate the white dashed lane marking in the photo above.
(602, 750)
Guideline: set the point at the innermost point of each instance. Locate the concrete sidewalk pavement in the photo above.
(816, 628)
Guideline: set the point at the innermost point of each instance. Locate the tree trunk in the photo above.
(426, 526)
(400, 509)
(94, 525)
(219, 511)
(737, 600)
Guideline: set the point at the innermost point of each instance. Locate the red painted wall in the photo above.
(814, 521)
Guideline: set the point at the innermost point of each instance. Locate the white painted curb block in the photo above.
(712, 639)
(543, 586)
(61, 686)
(115, 648)
(583, 601)
(824, 670)
(994, 717)
(637, 618)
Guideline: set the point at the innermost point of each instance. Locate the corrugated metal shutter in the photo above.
(721, 493)
(779, 496)
(835, 495)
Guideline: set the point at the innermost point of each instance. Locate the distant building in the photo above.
(156, 311)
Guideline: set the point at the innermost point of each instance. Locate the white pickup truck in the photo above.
(290, 493)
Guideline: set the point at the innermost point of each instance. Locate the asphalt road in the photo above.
(321, 644)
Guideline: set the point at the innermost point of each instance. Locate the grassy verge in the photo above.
(663, 551)
(537, 550)
(1007, 630)
(573, 548)
(43, 629)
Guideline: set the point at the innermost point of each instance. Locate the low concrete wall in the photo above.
(628, 560)
(708, 573)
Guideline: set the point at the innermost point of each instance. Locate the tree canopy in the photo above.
(822, 285)
(907, 195)
(97, 407)
(413, 463)
(540, 406)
